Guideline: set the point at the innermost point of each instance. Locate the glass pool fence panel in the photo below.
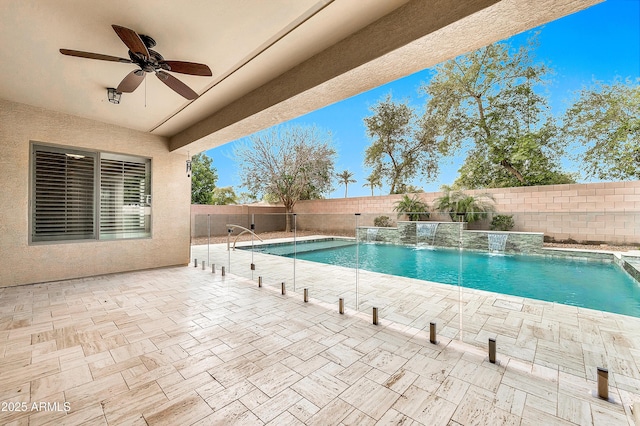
(396, 259)
(324, 258)
(209, 239)
(273, 268)
(249, 259)
(278, 255)
(200, 238)
(373, 289)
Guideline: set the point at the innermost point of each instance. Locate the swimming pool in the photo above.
(590, 284)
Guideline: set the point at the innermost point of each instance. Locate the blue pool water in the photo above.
(590, 284)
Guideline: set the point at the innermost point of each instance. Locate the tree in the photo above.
(413, 207)
(401, 147)
(480, 172)
(412, 189)
(459, 204)
(345, 178)
(223, 196)
(203, 179)
(287, 163)
(373, 181)
(605, 120)
(486, 100)
(247, 198)
(502, 222)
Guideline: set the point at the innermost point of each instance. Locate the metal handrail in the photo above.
(245, 230)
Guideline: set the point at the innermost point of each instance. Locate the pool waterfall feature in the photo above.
(426, 232)
(453, 235)
(497, 242)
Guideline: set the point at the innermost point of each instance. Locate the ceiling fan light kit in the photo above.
(113, 95)
(148, 61)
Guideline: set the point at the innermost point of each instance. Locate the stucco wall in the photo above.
(592, 213)
(21, 263)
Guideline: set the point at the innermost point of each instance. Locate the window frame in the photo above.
(97, 194)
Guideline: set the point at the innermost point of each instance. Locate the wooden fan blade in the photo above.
(131, 81)
(132, 40)
(191, 68)
(90, 55)
(176, 85)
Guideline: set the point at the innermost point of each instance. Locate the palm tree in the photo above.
(373, 182)
(345, 178)
(459, 204)
(413, 207)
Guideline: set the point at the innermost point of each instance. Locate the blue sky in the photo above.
(600, 43)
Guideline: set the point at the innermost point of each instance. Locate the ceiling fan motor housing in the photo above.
(151, 64)
(147, 40)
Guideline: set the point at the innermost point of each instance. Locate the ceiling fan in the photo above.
(148, 61)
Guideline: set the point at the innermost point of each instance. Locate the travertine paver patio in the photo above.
(185, 346)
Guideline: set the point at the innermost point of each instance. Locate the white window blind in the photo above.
(63, 195)
(79, 195)
(124, 197)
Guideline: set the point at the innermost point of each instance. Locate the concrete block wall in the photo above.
(585, 213)
(607, 212)
(215, 218)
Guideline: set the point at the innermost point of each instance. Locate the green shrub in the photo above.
(460, 205)
(414, 208)
(382, 221)
(502, 222)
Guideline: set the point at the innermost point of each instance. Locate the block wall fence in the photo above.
(266, 218)
(607, 212)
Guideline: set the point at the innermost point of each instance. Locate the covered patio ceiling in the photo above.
(271, 60)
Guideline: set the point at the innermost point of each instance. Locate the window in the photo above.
(124, 197)
(82, 195)
(63, 205)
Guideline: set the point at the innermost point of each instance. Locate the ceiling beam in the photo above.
(418, 35)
